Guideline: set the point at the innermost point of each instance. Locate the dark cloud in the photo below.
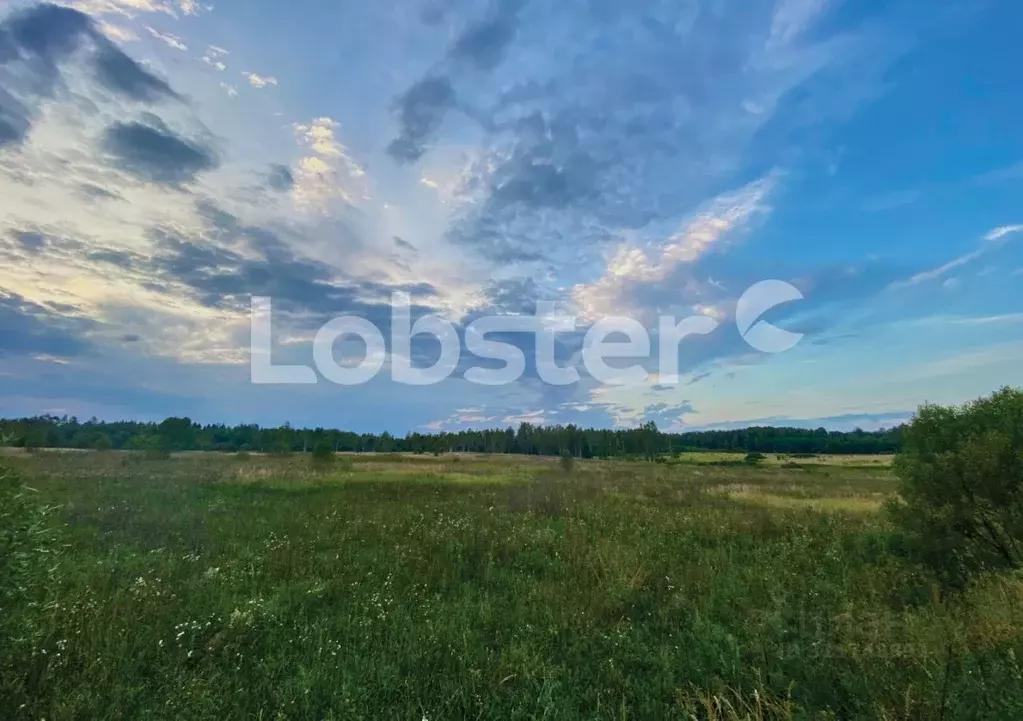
(131, 338)
(484, 43)
(516, 296)
(112, 257)
(218, 217)
(300, 288)
(14, 119)
(421, 111)
(120, 73)
(27, 328)
(422, 108)
(537, 181)
(404, 244)
(38, 40)
(32, 241)
(664, 414)
(492, 241)
(697, 378)
(280, 178)
(94, 191)
(157, 154)
(636, 116)
(8, 49)
(50, 32)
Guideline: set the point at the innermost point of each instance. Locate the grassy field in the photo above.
(397, 587)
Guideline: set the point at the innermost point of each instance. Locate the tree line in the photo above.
(183, 434)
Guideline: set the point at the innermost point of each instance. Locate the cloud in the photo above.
(156, 154)
(633, 269)
(328, 172)
(95, 192)
(30, 240)
(404, 244)
(172, 41)
(792, 18)
(421, 111)
(27, 328)
(999, 233)
(231, 90)
(993, 238)
(119, 72)
(132, 8)
(581, 147)
(257, 261)
(259, 81)
(213, 57)
(422, 108)
(117, 258)
(118, 32)
(484, 43)
(280, 178)
(43, 37)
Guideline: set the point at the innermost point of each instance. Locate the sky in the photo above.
(162, 162)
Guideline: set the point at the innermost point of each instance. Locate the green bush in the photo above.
(960, 498)
(754, 458)
(567, 462)
(323, 454)
(102, 443)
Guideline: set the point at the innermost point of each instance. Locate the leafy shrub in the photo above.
(102, 443)
(753, 459)
(961, 487)
(567, 462)
(323, 454)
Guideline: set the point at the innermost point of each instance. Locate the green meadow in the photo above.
(211, 586)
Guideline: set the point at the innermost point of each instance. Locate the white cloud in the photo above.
(999, 233)
(172, 41)
(131, 8)
(792, 18)
(318, 136)
(534, 417)
(259, 81)
(328, 172)
(633, 266)
(994, 236)
(213, 55)
(118, 33)
(941, 270)
(229, 89)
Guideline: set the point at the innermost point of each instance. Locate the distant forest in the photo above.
(182, 434)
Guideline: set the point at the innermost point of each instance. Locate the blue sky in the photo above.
(162, 161)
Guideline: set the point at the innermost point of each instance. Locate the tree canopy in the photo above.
(183, 434)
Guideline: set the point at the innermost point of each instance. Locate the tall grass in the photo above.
(216, 587)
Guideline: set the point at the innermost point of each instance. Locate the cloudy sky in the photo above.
(164, 161)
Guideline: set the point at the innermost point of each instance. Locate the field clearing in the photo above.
(216, 586)
(778, 459)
